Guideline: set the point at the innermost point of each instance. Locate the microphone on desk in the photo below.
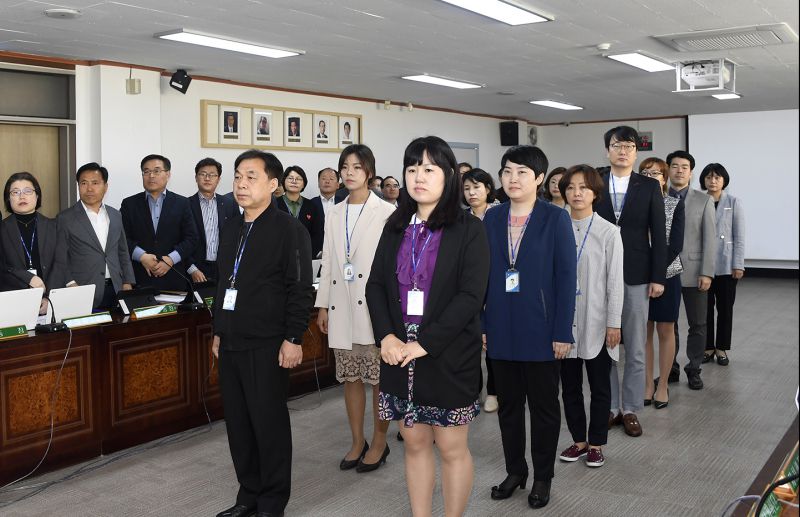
(53, 326)
(190, 303)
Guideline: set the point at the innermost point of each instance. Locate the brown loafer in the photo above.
(632, 425)
(614, 420)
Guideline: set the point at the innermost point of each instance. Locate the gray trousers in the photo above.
(634, 331)
(696, 304)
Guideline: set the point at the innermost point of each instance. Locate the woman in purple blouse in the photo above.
(425, 293)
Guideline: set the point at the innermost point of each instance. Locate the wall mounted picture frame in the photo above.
(349, 131)
(298, 130)
(262, 127)
(230, 122)
(326, 131)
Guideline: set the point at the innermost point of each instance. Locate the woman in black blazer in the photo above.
(294, 182)
(425, 293)
(32, 255)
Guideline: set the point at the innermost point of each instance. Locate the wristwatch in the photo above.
(295, 340)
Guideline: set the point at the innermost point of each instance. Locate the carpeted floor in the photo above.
(695, 456)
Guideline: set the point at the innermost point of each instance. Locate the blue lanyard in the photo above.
(515, 245)
(614, 199)
(348, 235)
(414, 259)
(29, 252)
(586, 236)
(239, 256)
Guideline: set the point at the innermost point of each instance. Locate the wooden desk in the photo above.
(123, 384)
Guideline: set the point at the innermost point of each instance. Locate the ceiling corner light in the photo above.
(63, 13)
(556, 105)
(500, 11)
(642, 62)
(727, 96)
(441, 81)
(206, 40)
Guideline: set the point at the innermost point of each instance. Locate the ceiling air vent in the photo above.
(728, 39)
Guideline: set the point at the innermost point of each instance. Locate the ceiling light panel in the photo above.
(500, 11)
(642, 62)
(557, 105)
(441, 81)
(727, 96)
(206, 40)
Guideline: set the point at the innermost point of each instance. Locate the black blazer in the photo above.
(643, 229)
(449, 376)
(274, 290)
(52, 255)
(226, 209)
(312, 218)
(176, 232)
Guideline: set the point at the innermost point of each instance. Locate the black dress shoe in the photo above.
(659, 404)
(540, 494)
(708, 356)
(695, 382)
(369, 467)
(505, 489)
(269, 514)
(346, 464)
(722, 359)
(674, 375)
(238, 510)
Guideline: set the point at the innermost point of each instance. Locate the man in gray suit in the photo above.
(698, 258)
(97, 251)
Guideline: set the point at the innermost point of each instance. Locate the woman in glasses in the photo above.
(32, 254)
(664, 310)
(301, 208)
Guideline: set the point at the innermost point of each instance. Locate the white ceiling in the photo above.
(362, 47)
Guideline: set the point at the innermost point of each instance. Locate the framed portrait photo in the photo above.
(262, 127)
(348, 131)
(229, 122)
(298, 130)
(325, 131)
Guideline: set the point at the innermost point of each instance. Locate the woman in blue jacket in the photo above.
(529, 310)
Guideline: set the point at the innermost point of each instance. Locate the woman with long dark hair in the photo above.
(425, 293)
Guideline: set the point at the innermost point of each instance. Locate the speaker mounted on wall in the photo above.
(180, 81)
(509, 133)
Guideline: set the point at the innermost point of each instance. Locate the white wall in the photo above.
(162, 120)
(583, 143)
(759, 150)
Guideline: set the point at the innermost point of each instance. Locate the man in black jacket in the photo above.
(635, 204)
(261, 311)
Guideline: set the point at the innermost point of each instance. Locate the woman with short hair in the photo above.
(294, 183)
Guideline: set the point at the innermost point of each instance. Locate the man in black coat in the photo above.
(261, 311)
(159, 228)
(210, 212)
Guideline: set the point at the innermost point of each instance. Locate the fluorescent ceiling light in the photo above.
(727, 96)
(195, 38)
(441, 81)
(500, 11)
(639, 60)
(557, 105)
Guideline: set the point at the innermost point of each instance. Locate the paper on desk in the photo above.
(170, 298)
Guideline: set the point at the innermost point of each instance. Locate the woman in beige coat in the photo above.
(352, 231)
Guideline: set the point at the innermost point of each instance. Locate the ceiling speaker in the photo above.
(180, 81)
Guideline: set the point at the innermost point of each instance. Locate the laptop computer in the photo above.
(20, 307)
(71, 302)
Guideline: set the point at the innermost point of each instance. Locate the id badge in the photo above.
(416, 303)
(229, 302)
(349, 272)
(512, 281)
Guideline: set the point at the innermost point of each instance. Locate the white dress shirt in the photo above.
(100, 223)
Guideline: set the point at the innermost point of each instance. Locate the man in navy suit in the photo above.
(210, 212)
(159, 227)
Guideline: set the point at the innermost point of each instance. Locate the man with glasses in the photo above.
(635, 204)
(698, 256)
(210, 212)
(159, 226)
(391, 190)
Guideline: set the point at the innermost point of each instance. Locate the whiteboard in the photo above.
(760, 152)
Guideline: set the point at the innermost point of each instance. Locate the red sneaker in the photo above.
(573, 453)
(594, 458)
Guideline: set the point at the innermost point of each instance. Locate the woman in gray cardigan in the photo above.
(729, 262)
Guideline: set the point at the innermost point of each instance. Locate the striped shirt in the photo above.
(210, 224)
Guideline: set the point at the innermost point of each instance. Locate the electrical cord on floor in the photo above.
(738, 500)
(319, 393)
(775, 484)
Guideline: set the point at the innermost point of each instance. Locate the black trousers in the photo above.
(254, 392)
(109, 300)
(208, 268)
(490, 388)
(536, 383)
(723, 293)
(598, 372)
(696, 304)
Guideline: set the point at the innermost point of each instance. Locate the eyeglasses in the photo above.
(153, 172)
(651, 173)
(389, 185)
(294, 179)
(623, 147)
(20, 192)
(208, 175)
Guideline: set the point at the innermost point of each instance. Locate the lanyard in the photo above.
(414, 259)
(29, 252)
(586, 236)
(242, 244)
(515, 245)
(614, 199)
(347, 235)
